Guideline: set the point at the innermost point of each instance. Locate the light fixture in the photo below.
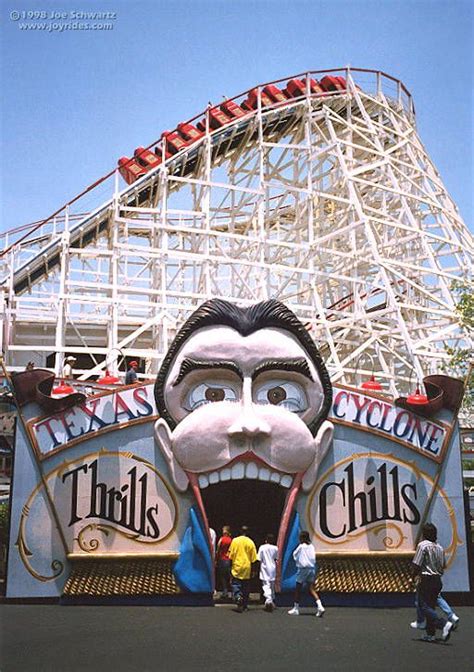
(108, 379)
(417, 398)
(371, 385)
(62, 390)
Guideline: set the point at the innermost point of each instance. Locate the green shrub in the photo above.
(4, 513)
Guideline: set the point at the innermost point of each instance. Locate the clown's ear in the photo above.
(164, 440)
(322, 441)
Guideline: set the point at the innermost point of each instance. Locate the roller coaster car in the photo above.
(174, 142)
(189, 132)
(296, 88)
(146, 158)
(251, 103)
(232, 109)
(130, 169)
(275, 94)
(315, 86)
(217, 119)
(159, 153)
(330, 83)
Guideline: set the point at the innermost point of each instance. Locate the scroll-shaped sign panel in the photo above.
(113, 501)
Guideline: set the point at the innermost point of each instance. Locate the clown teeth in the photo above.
(251, 470)
(264, 475)
(237, 471)
(286, 481)
(203, 481)
(214, 478)
(240, 470)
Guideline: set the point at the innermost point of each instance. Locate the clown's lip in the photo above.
(245, 466)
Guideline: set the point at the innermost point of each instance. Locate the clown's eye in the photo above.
(282, 393)
(207, 393)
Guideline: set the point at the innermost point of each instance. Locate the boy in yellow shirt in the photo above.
(243, 555)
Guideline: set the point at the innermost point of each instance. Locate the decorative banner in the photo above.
(381, 416)
(111, 410)
(96, 415)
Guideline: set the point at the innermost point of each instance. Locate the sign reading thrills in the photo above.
(106, 502)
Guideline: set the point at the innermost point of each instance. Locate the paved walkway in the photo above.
(181, 639)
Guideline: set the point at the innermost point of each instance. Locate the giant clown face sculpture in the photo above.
(243, 393)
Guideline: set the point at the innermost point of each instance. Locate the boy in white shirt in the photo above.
(268, 557)
(306, 569)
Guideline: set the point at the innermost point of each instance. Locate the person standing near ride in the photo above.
(131, 375)
(68, 366)
(223, 562)
(243, 555)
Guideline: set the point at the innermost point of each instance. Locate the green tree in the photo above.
(461, 359)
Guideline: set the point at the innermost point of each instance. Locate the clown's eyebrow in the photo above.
(298, 365)
(190, 365)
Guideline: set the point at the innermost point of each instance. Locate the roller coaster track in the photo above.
(315, 190)
(234, 137)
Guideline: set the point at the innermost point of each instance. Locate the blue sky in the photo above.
(74, 102)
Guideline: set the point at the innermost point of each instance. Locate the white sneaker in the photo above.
(294, 612)
(416, 624)
(320, 612)
(447, 631)
(454, 620)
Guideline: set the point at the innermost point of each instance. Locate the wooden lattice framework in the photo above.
(328, 203)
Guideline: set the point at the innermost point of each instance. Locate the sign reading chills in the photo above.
(368, 501)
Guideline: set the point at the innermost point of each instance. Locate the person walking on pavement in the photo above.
(428, 567)
(243, 555)
(420, 622)
(268, 557)
(306, 569)
(223, 562)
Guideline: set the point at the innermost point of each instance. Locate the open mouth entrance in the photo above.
(257, 504)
